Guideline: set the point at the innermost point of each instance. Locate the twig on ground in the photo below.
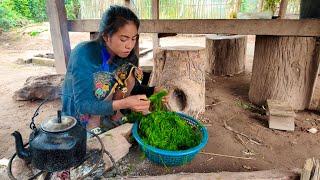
(253, 140)
(241, 140)
(209, 159)
(223, 155)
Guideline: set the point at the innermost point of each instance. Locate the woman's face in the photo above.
(123, 41)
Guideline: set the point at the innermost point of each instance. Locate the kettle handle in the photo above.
(36, 113)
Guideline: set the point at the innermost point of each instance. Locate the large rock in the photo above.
(40, 87)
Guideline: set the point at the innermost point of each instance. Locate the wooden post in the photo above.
(284, 68)
(127, 3)
(315, 94)
(93, 35)
(136, 47)
(283, 9)
(59, 34)
(309, 9)
(260, 5)
(155, 15)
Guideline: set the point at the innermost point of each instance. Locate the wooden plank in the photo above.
(307, 169)
(59, 34)
(266, 175)
(279, 27)
(281, 115)
(281, 123)
(283, 9)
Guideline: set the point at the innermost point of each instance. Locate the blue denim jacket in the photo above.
(77, 91)
(78, 87)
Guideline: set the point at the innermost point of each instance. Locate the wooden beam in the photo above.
(309, 9)
(278, 27)
(162, 35)
(155, 15)
(59, 34)
(127, 3)
(283, 9)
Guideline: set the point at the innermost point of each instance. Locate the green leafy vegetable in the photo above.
(164, 129)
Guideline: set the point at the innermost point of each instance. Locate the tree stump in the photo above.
(225, 54)
(180, 69)
(284, 68)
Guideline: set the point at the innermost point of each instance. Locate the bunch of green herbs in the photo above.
(164, 129)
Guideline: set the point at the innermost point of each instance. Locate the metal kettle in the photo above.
(59, 144)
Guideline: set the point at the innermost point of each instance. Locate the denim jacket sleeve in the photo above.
(83, 69)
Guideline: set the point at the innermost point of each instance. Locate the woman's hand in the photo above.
(138, 103)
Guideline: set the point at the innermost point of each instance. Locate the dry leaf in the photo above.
(312, 130)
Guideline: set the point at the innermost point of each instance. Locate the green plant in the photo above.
(164, 129)
(38, 10)
(251, 107)
(271, 5)
(72, 8)
(5, 24)
(15, 13)
(36, 32)
(8, 17)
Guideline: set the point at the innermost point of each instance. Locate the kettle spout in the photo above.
(22, 152)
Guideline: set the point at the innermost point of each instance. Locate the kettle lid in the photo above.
(59, 124)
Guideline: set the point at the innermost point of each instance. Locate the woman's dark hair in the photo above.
(116, 17)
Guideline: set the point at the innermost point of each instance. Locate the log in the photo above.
(267, 174)
(225, 54)
(284, 68)
(180, 69)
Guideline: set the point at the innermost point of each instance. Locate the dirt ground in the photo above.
(227, 97)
